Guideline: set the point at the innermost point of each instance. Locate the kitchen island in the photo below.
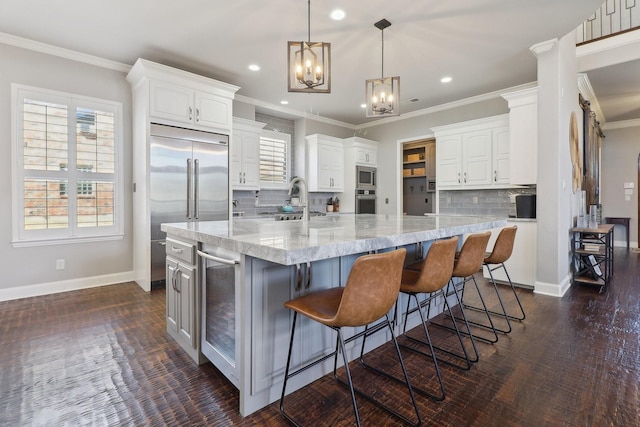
(227, 302)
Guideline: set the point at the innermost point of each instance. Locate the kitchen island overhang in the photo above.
(323, 237)
(275, 263)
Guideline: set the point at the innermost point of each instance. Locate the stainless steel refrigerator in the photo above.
(189, 181)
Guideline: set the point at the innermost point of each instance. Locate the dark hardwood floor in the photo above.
(101, 357)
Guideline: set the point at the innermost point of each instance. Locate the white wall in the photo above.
(32, 270)
(619, 164)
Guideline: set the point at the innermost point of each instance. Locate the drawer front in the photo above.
(181, 250)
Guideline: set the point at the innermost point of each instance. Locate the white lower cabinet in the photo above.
(182, 297)
(522, 263)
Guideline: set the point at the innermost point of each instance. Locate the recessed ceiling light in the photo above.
(363, 105)
(284, 102)
(337, 14)
(254, 67)
(446, 79)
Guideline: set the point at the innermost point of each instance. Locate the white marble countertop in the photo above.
(323, 237)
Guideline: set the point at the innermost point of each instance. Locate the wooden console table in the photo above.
(620, 221)
(592, 255)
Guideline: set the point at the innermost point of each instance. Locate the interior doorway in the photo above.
(419, 177)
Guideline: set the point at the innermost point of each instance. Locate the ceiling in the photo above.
(483, 45)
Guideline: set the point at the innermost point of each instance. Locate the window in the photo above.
(64, 142)
(275, 159)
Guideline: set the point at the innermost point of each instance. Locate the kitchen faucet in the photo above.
(304, 196)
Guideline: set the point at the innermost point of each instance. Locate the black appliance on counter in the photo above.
(525, 206)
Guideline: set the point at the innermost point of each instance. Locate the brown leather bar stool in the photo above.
(370, 292)
(430, 280)
(502, 250)
(468, 262)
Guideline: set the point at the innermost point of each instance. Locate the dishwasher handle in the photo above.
(218, 259)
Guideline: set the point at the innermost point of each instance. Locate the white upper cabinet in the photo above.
(476, 157)
(361, 151)
(325, 163)
(188, 106)
(180, 98)
(473, 154)
(523, 128)
(245, 154)
(501, 156)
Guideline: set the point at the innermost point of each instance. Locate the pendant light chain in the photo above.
(382, 75)
(309, 21)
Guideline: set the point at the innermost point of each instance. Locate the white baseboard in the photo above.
(623, 244)
(553, 289)
(64, 286)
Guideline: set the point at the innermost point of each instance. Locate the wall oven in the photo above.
(365, 201)
(365, 178)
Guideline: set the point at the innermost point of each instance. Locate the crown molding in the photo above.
(73, 55)
(622, 124)
(585, 89)
(543, 47)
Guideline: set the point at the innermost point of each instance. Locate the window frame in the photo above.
(269, 134)
(73, 233)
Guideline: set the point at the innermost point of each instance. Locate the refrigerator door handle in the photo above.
(196, 189)
(189, 188)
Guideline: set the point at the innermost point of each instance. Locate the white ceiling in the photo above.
(483, 45)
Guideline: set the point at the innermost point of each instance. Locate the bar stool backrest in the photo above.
(503, 247)
(437, 266)
(371, 290)
(471, 256)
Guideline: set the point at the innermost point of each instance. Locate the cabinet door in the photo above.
(251, 161)
(173, 297)
(271, 322)
(245, 161)
(337, 168)
(171, 102)
(430, 158)
(501, 161)
(449, 159)
(366, 157)
(476, 160)
(235, 160)
(212, 110)
(187, 312)
(316, 339)
(325, 165)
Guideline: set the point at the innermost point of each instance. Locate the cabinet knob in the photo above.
(190, 113)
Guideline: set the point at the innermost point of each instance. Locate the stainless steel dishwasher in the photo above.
(220, 303)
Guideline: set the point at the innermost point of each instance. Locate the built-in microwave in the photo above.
(365, 178)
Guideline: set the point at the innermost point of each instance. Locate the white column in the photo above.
(557, 98)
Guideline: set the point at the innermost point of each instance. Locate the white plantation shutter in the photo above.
(67, 168)
(274, 159)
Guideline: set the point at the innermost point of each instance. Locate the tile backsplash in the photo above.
(481, 202)
(270, 200)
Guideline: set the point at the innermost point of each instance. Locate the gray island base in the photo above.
(227, 282)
